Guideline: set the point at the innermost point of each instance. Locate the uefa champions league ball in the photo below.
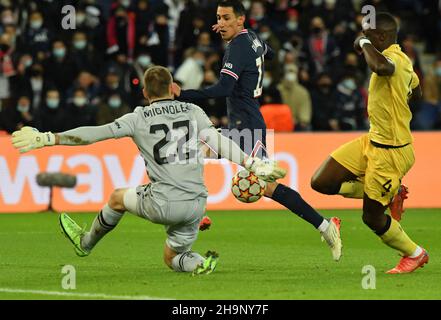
(247, 187)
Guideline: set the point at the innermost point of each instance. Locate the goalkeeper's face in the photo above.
(229, 24)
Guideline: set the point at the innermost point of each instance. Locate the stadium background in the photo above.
(57, 79)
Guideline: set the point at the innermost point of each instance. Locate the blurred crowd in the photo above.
(55, 79)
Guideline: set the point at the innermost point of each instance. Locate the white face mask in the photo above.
(22, 108)
(79, 101)
(114, 103)
(349, 84)
(265, 35)
(246, 4)
(80, 44)
(37, 84)
(125, 3)
(36, 24)
(291, 77)
(27, 63)
(200, 62)
(144, 60)
(292, 25)
(52, 103)
(266, 82)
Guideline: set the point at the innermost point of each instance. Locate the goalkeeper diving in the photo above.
(168, 134)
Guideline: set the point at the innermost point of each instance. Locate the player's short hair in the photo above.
(238, 8)
(386, 22)
(157, 80)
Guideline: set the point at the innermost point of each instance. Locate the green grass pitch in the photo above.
(263, 255)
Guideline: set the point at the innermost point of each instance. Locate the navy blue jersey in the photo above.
(240, 81)
(244, 61)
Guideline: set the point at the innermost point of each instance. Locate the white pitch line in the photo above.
(80, 294)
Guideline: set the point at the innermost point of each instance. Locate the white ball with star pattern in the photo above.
(247, 187)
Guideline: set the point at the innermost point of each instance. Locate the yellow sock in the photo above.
(397, 239)
(352, 189)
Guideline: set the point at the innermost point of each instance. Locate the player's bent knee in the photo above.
(321, 186)
(371, 221)
(116, 201)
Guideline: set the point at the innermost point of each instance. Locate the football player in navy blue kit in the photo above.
(241, 83)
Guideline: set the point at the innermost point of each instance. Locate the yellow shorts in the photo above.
(380, 169)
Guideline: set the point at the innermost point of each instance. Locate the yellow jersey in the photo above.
(388, 109)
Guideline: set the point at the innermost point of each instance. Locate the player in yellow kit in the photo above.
(372, 166)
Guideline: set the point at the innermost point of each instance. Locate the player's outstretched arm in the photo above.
(222, 88)
(376, 61)
(84, 135)
(28, 138)
(267, 170)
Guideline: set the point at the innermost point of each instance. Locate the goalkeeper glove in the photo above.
(266, 170)
(28, 138)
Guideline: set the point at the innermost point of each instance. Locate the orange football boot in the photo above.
(408, 264)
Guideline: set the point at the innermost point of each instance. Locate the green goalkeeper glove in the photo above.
(28, 138)
(266, 170)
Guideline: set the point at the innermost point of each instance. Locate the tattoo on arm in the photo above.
(71, 140)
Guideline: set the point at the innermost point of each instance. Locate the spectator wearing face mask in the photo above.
(91, 86)
(111, 108)
(121, 34)
(32, 84)
(59, 68)
(350, 111)
(90, 20)
(142, 62)
(271, 39)
(297, 98)
(351, 64)
(83, 54)
(7, 18)
(290, 27)
(257, 15)
(79, 112)
(52, 113)
(18, 115)
(37, 38)
(113, 83)
(320, 49)
(191, 72)
(270, 93)
(323, 104)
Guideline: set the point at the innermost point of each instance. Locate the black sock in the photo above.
(293, 201)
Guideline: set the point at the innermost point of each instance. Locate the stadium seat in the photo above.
(278, 117)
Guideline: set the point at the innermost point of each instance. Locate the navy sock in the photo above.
(292, 200)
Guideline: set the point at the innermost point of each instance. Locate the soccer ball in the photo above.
(247, 187)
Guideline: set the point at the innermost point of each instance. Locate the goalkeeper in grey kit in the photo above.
(167, 133)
